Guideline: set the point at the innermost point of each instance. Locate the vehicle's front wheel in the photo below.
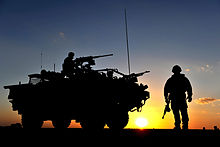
(29, 121)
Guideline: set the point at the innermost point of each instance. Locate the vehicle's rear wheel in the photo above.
(118, 121)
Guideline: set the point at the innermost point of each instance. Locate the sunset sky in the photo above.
(162, 33)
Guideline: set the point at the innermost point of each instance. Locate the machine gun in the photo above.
(137, 74)
(124, 75)
(89, 59)
(111, 70)
(132, 77)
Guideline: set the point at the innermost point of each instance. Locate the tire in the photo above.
(92, 124)
(118, 121)
(60, 123)
(29, 121)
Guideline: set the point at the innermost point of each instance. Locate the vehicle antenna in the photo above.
(54, 67)
(41, 59)
(127, 45)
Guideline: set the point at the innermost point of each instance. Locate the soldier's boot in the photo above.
(177, 128)
(185, 120)
(185, 125)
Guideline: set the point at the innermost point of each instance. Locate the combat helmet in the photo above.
(71, 54)
(176, 69)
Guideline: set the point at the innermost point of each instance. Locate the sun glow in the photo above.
(141, 122)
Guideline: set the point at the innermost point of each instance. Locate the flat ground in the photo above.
(107, 137)
(138, 133)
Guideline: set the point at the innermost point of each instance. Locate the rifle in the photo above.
(166, 109)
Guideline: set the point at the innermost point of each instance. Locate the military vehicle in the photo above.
(92, 97)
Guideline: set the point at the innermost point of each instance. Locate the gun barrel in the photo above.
(103, 56)
(147, 71)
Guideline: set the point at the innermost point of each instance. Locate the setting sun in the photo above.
(141, 122)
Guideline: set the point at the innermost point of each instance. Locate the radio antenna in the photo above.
(41, 60)
(126, 30)
(54, 67)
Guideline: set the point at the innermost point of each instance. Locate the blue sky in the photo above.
(161, 34)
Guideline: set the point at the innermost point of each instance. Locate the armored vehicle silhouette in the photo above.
(92, 97)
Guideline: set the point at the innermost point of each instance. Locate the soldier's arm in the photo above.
(166, 90)
(189, 90)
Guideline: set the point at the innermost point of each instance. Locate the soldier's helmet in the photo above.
(71, 54)
(176, 69)
(110, 73)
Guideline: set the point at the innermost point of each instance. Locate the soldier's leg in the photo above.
(176, 113)
(185, 117)
(177, 118)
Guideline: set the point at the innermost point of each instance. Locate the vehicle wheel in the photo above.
(31, 121)
(118, 121)
(60, 123)
(92, 124)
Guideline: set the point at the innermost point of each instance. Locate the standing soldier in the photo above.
(175, 91)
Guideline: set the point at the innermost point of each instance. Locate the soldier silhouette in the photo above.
(69, 65)
(175, 91)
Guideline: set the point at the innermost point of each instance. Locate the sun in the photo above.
(141, 122)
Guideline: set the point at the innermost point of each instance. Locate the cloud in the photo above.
(206, 100)
(62, 35)
(59, 37)
(188, 70)
(207, 68)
